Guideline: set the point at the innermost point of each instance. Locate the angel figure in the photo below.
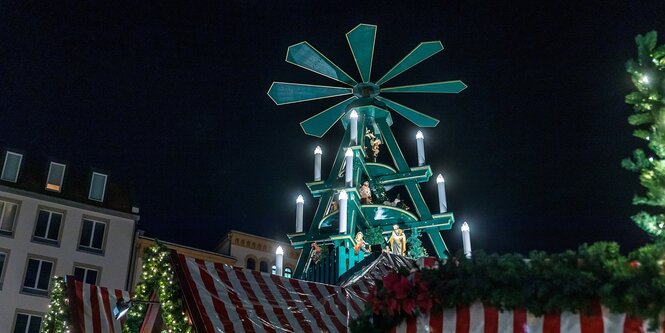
(375, 148)
(374, 143)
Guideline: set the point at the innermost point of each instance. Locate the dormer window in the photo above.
(56, 174)
(11, 167)
(97, 186)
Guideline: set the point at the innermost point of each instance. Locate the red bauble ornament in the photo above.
(634, 264)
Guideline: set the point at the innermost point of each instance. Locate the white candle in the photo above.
(299, 213)
(279, 260)
(421, 148)
(441, 185)
(354, 127)
(349, 168)
(466, 240)
(342, 211)
(317, 163)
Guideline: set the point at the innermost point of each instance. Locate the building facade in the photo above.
(56, 220)
(257, 253)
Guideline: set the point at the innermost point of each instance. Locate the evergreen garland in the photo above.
(158, 275)
(541, 283)
(58, 312)
(648, 101)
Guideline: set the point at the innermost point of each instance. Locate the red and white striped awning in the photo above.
(91, 307)
(221, 298)
(480, 319)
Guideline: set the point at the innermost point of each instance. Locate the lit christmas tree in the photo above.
(648, 100)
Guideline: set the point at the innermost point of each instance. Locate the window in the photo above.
(97, 186)
(92, 236)
(288, 272)
(86, 274)
(11, 167)
(27, 323)
(38, 276)
(56, 173)
(251, 264)
(8, 213)
(263, 266)
(4, 255)
(274, 269)
(47, 229)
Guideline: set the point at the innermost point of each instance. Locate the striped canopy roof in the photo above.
(222, 298)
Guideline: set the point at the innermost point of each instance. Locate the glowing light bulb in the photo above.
(420, 135)
(644, 79)
(318, 150)
(300, 199)
(465, 227)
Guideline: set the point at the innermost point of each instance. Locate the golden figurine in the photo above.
(397, 241)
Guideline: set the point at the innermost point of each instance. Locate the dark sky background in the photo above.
(172, 98)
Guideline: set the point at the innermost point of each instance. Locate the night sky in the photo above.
(172, 98)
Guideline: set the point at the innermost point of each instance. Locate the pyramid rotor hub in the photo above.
(366, 89)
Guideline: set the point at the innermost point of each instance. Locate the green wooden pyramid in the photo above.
(373, 120)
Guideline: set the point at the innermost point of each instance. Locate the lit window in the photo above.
(27, 323)
(56, 173)
(92, 236)
(37, 276)
(85, 274)
(3, 261)
(274, 269)
(47, 229)
(8, 212)
(263, 266)
(97, 186)
(11, 167)
(251, 264)
(288, 272)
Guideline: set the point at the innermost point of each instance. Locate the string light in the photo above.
(158, 275)
(56, 318)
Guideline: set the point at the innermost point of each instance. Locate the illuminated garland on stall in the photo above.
(58, 313)
(648, 101)
(540, 283)
(158, 275)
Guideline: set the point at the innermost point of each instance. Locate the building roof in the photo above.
(190, 251)
(76, 183)
(232, 232)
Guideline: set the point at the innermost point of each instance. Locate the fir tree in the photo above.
(416, 249)
(648, 117)
(374, 236)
